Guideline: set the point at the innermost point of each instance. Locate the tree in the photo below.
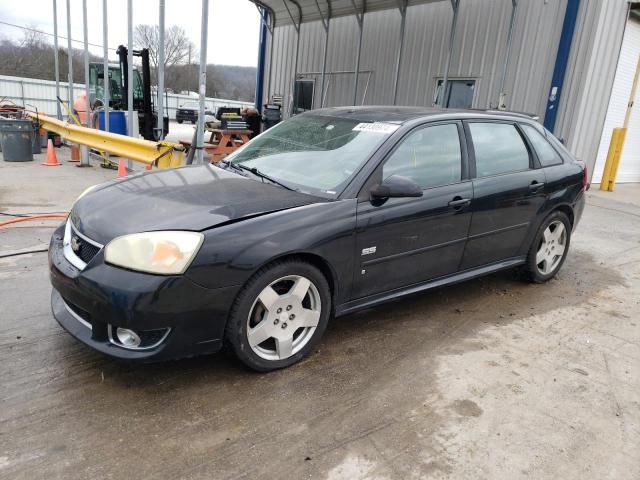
(177, 46)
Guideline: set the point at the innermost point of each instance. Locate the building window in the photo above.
(459, 93)
(303, 96)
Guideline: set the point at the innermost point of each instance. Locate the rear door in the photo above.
(403, 241)
(509, 190)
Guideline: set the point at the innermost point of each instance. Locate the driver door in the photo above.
(404, 241)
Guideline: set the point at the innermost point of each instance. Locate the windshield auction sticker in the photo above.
(376, 127)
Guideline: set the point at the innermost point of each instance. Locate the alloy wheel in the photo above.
(552, 246)
(283, 317)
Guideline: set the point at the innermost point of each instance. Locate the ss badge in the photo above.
(368, 251)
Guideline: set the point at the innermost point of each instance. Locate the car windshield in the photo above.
(313, 153)
(191, 105)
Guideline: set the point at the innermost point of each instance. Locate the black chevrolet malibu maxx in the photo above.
(329, 212)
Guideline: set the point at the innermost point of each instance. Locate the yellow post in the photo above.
(617, 140)
(613, 159)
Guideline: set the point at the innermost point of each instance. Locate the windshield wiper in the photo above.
(232, 165)
(258, 173)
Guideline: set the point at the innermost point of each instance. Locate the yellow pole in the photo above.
(617, 140)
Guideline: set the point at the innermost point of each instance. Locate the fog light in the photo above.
(127, 338)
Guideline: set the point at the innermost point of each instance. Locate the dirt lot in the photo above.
(492, 378)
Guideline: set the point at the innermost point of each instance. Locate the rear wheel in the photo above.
(179, 121)
(549, 248)
(279, 315)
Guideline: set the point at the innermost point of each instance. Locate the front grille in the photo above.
(85, 251)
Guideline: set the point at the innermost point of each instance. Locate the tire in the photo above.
(279, 315)
(179, 121)
(549, 248)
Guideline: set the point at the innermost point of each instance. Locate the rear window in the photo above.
(499, 148)
(545, 152)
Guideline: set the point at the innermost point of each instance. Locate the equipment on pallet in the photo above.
(118, 81)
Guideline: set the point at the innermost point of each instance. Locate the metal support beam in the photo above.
(295, 63)
(454, 4)
(69, 57)
(56, 60)
(105, 64)
(270, 25)
(84, 157)
(360, 20)
(160, 91)
(502, 104)
(402, 6)
(325, 24)
(202, 79)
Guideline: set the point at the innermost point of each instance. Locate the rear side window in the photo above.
(429, 156)
(499, 148)
(546, 153)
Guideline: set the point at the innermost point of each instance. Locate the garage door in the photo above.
(629, 168)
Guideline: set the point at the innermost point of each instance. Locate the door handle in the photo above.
(535, 186)
(457, 203)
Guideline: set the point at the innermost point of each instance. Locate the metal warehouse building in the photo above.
(571, 62)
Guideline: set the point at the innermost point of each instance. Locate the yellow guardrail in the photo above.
(162, 154)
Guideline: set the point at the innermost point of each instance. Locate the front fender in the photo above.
(232, 253)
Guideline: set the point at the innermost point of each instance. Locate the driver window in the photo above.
(429, 156)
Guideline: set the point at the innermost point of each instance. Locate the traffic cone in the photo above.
(75, 153)
(52, 160)
(122, 170)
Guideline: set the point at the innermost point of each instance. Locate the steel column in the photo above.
(160, 91)
(130, 68)
(360, 20)
(295, 63)
(325, 25)
(56, 60)
(403, 19)
(502, 105)
(69, 57)
(105, 64)
(455, 4)
(202, 87)
(84, 157)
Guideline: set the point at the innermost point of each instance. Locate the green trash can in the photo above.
(16, 137)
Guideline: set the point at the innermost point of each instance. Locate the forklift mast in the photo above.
(145, 110)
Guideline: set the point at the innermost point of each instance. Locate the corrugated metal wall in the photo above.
(590, 73)
(41, 95)
(479, 51)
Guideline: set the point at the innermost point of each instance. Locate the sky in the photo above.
(231, 22)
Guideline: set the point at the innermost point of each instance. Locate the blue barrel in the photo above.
(117, 121)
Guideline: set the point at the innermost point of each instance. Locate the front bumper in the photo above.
(89, 302)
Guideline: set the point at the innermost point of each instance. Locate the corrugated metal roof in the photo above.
(339, 8)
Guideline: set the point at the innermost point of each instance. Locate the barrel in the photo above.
(117, 121)
(16, 137)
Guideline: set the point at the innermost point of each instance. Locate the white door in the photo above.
(629, 168)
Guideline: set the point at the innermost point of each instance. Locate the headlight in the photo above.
(167, 253)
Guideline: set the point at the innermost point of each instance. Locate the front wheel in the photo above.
(179, 121)
(549, 248)
(279, 315)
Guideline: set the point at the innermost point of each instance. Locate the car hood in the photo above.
(186, 198)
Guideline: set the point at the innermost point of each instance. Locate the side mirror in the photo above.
(396, 187)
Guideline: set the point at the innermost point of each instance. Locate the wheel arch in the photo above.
(314, 259)
(567, 210)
